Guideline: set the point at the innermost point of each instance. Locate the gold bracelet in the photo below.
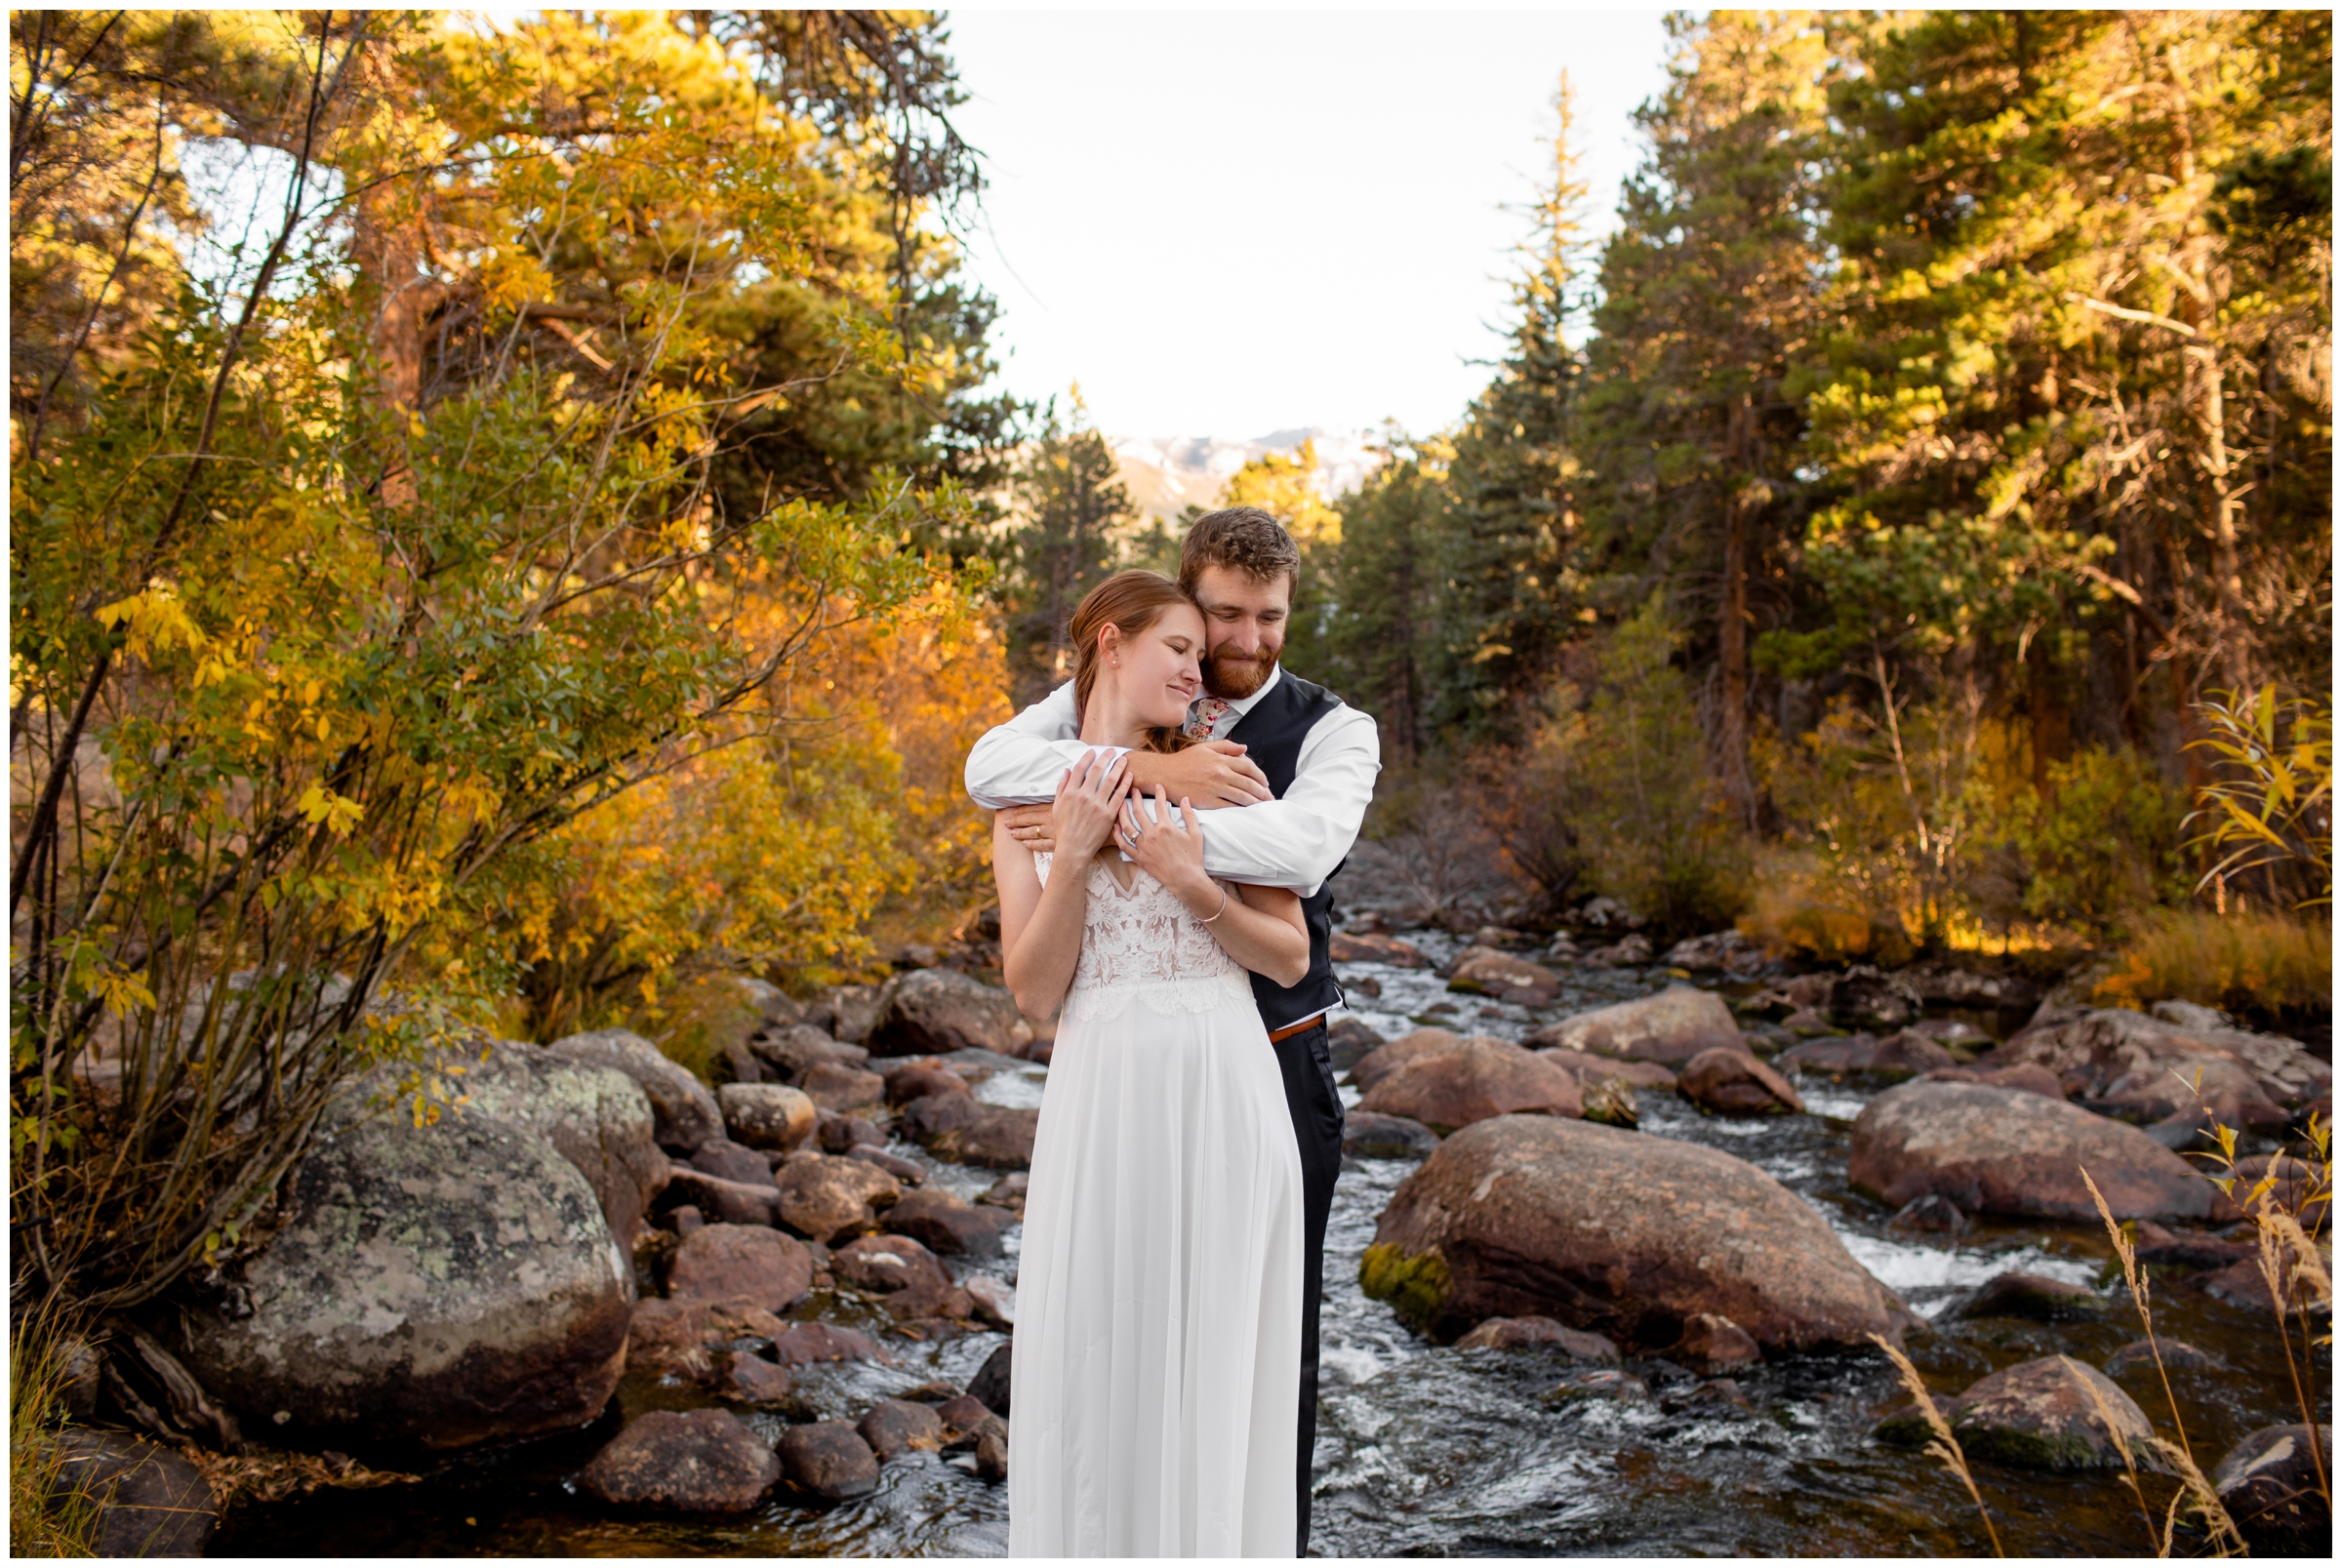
(1223, 910)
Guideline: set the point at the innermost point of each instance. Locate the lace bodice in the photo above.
(1143, 945)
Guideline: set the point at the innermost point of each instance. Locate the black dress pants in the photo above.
(1316, 1110)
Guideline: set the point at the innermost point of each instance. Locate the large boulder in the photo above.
(683, 1110)
(451, 1284)
(954, 1127)
(1614, 1231)
(924, 1011)
(1384, 1060)
(766, 1115)
(1670, 1028)
(831, 1198)
(598, 1117)
(722, 1263)
(2270, 1483)
(2137, 1066)
(1731, 1083)
(2041, 1416)
(1994, 1150)
(1472, 1081)
(830, 1460)
(683, 1462)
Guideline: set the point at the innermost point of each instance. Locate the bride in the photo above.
(1158, 1340)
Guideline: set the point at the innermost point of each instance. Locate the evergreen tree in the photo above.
(1379, 591)
(1286, 489)
(1503, 597)
(1072, 512)
(1691, 428)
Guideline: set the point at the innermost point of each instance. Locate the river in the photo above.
(1426, 1450)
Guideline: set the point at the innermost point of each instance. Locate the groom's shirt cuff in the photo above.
(1020, 762)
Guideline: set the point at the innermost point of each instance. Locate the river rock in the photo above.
(1508, 1219)
(2034, 1296)
(2125, 1059)
(964, 1416)
(724, 1262)
(680, 1336)
(1478, 1078)
(682, 1110)
(2139, 1356)
(831, 1199)
(1384, 1060)
(146, 1500)
(682, 1462)
(1517, 1333)
(989, 1385)
(748, 1378)
(908, 1172)
(1943, 985)
(1670, 1028)
(1590, 1070)
(946, 1223)
(830, 1460)
(954, 1127)
(1723, 950)
(733, 1162)
(598, 1117)
(1907, 1054)
(1490, 973)
(711, 1197)
(992, 1456)
(1008, 1193)
(1837, 1055)
(766, 1115)
(1714, 1345)
(839, 1133)
(797, 1049)
(806, 1344)
(2039, 1416)
(1929, 1214)
(1370, 1134)
(1346, 1041)
(920, 1079)
(927, 1011)
(897, 1426)
(2270, 1483)
(2004, 1152)
(1367, 948)
(452, 1284)
(2026, 1076)
(1866, 998)
(1731, 1083)
(897, 1267)
(845, 1012)
(835, 1086)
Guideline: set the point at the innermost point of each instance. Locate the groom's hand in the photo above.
(1029, 825)
(1211, 774)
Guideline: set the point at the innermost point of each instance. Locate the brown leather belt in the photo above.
(1291, 1029)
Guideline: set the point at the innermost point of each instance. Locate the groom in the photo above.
(1301, 764)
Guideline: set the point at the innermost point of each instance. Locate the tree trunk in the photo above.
(388, 248)
(1732, 620)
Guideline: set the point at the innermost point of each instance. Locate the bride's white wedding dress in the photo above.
(1159, 1333)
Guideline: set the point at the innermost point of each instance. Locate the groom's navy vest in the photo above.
(1273, 734)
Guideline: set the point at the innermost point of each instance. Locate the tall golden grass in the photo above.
(49, 1510)
(2256, 962)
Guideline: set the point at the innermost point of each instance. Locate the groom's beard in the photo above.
(1235, 676)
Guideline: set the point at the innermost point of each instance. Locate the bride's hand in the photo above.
(1169, 848)
(1087, 799)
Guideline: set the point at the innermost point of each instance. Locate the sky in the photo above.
(1226, 223)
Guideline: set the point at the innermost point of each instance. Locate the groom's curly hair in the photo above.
(1243, 538)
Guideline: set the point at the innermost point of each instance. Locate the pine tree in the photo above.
(1075, 512)
(1502, 599)
(1691, 426)
(1378, 592)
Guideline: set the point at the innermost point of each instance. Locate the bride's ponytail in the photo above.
(1132, 601)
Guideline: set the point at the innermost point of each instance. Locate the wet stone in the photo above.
(1930, 1215)
(147, 1499)
(2270, 1485)
(766, 1115)
(2139, 1355)
(2040, 1415)
(897, 1426)
(682, 1462)
(1716, 1344)
(907, 1172)
(835, 1086)
(1905, 1425)
(831, 1199)
(1008, 1193)
(1371, 1135)
(723, 1262)
(830, 1460)
(2034, 1297)
(948, 1224)
(804, 1343)
(1517, 1333)
(1599, 1383)
(751, 1380)
(732, 1162)
(989, 1385)
(991, 1456)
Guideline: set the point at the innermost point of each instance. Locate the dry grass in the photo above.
(49, 1513)
(1942, 1446)
(2252, 962)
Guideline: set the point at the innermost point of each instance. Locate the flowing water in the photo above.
(1426, 1450)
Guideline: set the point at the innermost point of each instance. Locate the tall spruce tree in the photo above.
(1691, 426)
(1074, 513)
(1379, 592)
(1502, 599)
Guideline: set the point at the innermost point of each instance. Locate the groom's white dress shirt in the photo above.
(1295, 842)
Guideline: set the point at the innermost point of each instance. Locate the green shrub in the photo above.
(2105, 841)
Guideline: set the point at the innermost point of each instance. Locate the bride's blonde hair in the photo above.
(1132, 601)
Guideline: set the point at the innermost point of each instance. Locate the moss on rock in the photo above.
(1416, 1287)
